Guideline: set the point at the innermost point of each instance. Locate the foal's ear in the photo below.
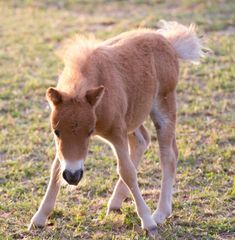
(94, 95)
(53, 96)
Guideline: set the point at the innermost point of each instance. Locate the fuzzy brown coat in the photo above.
(108, 89)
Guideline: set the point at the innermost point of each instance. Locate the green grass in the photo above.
(204, 198)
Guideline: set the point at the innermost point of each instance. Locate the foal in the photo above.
(108, 89)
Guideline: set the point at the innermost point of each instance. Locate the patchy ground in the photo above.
(204, 197)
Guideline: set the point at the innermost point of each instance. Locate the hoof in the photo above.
(152, 231)
(38, 221)
(33, 226)
(149, 226)
(115, 210)
(159, 217)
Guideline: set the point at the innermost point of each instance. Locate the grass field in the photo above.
(204, 195)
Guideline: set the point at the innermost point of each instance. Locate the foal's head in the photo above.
(73, 121)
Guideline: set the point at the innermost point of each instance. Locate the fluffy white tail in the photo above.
(184, 39)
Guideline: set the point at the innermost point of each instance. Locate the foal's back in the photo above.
(147, 66)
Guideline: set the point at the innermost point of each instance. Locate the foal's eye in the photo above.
(90, 132)
(57, 132)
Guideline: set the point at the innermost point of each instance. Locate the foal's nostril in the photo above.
(72, 178)
(78, 174)
(67, 175)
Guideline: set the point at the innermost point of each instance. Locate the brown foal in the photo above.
(108, 89)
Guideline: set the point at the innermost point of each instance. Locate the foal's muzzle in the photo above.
(72, 178)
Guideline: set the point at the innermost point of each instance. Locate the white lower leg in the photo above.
(143, 211)
(127, 172)
(47, 205)
(129, 177)
(48, 202)
(120, 193)
(138, 143)
(164, 208)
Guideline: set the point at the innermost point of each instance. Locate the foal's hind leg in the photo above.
(138, 143)
(163, 115)
(48, 202)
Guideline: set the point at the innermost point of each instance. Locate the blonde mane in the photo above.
(77, 50)
(75, 54)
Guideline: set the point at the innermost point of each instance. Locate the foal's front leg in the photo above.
(127, 172)
(138, 143)
(40, 217)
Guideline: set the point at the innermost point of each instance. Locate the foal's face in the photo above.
(73, 121)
